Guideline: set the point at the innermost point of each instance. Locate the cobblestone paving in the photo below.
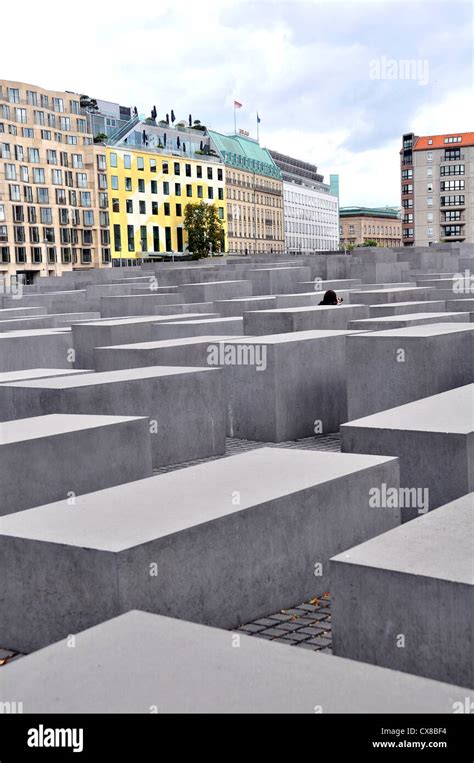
(307, 626)
(328, 442)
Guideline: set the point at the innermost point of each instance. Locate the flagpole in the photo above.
(258, 129)
(235, 122)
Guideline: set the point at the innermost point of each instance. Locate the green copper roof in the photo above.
(245, 154)
(391, 212)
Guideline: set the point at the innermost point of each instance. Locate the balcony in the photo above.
(453, 206)
(453, 158)
(461, 220)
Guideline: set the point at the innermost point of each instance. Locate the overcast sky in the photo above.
(324, 75)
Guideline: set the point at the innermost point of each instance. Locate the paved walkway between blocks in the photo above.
(329, 442)
(306, 625)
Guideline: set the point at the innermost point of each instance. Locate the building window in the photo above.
(177, 189)
(42, 196)
(189, 190)
(131, 238)
(128, 184)
(115, 205)
(20, 254)
(156, 238)
(164, 168)
(117, 238)
(13, 95)
(143, 238)
(210, 192)
(187, 169)
(219, 174)
(166, 208)
(88, 216)
(154, 207)
(177, 168)
(154, 186)
(14, 192)
(141, 185)
(152, 165)
(142, 207)
(166, 188)
(199, 171)
(220, 194)
(114, 182)
(113, 159)
(178, 210)
(199, 192)
(10, 172)
(129, 206)
(140, 163)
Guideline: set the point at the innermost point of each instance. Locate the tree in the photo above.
(370, 242)
(204, 228)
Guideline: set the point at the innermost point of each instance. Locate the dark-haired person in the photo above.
(331, 298)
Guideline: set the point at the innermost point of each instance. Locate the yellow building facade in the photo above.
(148, 194)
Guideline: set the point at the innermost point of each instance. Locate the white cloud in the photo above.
(303, 65)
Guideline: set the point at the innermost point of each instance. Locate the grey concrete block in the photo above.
(448, 294)
(323, 317)
(255, 678)
(235, 308)
(460, 305)
(214, 290)
(386, 322)
(136, 304)
(424, 435)
(369, 270)
(21, 312)
(205, 327)
(320, 284)
(277, 280)
(386, 296)
(53, 301)
(117, 331)
(221, 543)
(391, 368)
(185, 405)
(95, 292)
(189, 351)
(21, 350)
(285, 386)
(402, 308)
(404, 599)
(63, 455)
(39, 373)
(56, 320)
